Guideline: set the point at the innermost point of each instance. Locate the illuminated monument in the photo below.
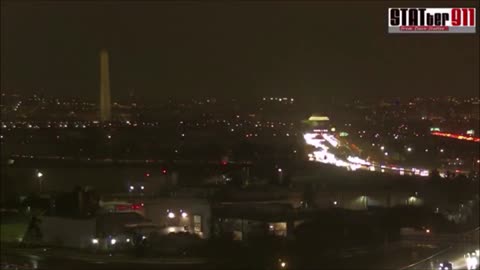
(105, 103)
(316, 123)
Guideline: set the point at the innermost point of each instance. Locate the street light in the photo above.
(39, 176)
(280, 175)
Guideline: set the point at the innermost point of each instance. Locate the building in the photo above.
(106, 229)
(180, 215)
(247, 220)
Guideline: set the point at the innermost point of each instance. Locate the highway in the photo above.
(454, 254)
(458, 246)
(58, 259)
(326, 151)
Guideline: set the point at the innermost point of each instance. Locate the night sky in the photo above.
(162, 49)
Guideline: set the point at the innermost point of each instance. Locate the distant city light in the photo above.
(382, 147)
(113, 241)
(279, 169)
(456, 136)
(142, 187)
(132, 187)
(409, 149)
(39, 174)
(184, 215)
(94, 241)
(171, 215)
(441, 150)
(386, 153)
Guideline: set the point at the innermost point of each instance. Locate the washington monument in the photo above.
(105, 103)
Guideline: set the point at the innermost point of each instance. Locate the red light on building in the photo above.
(128, 207)
(164, 171)
(147, 174)
(136, 206)
(224, 162)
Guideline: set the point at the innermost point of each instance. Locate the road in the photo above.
(452, 254)
(50, 259)
(39, 259)
(327, 150)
